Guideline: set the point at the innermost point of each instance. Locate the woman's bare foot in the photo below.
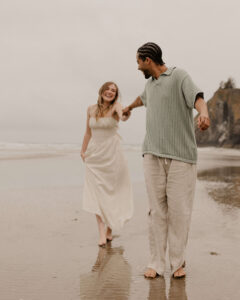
(102, 241)
(101, 227)
(179, 273)
(150, 273)
(109, 234)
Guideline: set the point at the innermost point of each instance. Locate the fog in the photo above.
(55, 55)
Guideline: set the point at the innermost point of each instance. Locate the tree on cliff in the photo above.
(229, 84)
(224, 113)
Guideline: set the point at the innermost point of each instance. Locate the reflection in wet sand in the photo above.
(110, 277)
(177, 289)
(157, 289)
(223, 184)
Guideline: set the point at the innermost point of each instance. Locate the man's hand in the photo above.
(125, 118)
(126, 112)
(203, 121)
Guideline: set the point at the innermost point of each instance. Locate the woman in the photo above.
(107, 189)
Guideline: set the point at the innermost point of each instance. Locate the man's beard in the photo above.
(146, 74)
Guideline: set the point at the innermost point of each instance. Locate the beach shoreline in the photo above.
(49, 245)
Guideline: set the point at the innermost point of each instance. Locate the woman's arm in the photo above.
(119, 111)
(87, 136)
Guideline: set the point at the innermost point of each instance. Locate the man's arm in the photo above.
(203, 120)
(138, 102)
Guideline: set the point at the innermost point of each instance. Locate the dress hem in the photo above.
(123, 222)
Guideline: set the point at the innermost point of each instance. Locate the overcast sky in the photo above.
(55, 54)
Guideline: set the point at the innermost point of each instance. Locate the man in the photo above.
(170, 155)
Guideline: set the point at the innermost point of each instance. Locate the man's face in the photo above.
(144, 66)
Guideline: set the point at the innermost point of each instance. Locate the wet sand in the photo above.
(49, 245)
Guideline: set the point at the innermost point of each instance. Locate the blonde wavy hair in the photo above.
(101, 111)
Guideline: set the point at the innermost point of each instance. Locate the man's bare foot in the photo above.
(179, 273)
(150, 273)
(109, 234)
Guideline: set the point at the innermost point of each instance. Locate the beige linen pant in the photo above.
(170, 188)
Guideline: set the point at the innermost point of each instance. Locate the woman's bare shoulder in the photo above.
(92, 109)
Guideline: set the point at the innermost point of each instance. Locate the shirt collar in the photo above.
(166, 73)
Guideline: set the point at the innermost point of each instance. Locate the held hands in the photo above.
(124, 118)
(126, 113)
(203, 122)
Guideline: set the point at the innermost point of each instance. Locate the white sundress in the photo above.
(107, 188)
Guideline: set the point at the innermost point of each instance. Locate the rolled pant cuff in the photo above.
(175, 268)
(159, 271)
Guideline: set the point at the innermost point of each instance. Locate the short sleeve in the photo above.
(190, 91)
(143, 97)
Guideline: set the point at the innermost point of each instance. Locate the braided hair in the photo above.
(152, 51)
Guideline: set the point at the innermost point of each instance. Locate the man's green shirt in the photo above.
(169, 101)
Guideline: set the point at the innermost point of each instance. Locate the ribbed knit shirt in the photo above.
(169, 102)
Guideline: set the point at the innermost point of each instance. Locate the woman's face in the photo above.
(110, 93)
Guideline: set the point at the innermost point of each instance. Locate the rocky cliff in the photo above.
(224, 112)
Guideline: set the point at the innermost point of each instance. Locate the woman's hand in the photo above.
(125, 116)
(126, 111)
(83, 156)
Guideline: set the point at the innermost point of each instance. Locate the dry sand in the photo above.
(49, 245)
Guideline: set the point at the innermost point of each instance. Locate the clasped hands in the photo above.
(126, 113)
